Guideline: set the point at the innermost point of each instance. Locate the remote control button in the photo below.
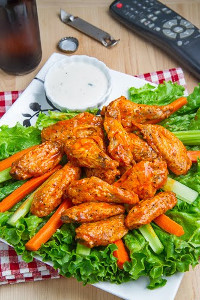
(186, 33)
(150, 16)
(151, 25)
(157, 12)
(168, 11)
(157, 28)
(169, 33)
(164, 9)
(119, 5)
(154, 18)
(178, 17)
(143, 20)
(147, 23)
(178, 29)
(186, 24)
(170, 23)
(179, 43)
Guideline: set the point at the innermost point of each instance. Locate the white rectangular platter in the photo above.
(25, 110)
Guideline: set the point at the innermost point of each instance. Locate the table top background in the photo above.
(132, 56)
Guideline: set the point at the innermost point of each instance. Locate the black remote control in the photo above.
(162, 26)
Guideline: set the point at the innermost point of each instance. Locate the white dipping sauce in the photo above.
(77, 85)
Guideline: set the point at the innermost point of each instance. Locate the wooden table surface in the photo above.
(132, 56)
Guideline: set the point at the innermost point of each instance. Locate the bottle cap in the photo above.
(68, 44)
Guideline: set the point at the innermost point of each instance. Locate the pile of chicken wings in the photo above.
(116, 164)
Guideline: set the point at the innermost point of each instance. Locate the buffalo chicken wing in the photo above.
(147, 210)
(119, 142)
(94, 189)
(38, 161)
(128, 112)
(101, 233)
(81, 126)
(167, 146)
(144, 178)
(49, 196)
(87, 153)
(91, 212)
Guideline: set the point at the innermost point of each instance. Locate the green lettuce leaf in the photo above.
(195, 121)
(192, 178)
(8, 187)
(17, 138)
(178, 123)
(193, 102)
(162, 95)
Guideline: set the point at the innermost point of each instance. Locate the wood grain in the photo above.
(132, 55)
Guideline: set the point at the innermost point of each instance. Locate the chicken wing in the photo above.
(87, 153)
(119, 142)
(81, 126)
(94, 189)
(147, 210)
(101, 233)
(91, 212)
(108, 175)
(127, 111)
(140, 149)
(167, 146)
(144, 178)
(49, 196)
(38, 161)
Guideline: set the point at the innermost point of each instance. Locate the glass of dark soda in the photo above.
(20, 46)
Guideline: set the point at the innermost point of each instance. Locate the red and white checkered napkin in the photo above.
(12, 268)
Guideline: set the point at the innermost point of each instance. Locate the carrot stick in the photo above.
(176, 105)
(193, 155)
(169, 225)
(24, 190)
(121, 254)
(45, 233)
(6, 163)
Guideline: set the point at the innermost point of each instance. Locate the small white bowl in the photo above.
(78, 82)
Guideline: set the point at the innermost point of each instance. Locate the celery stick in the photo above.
(190, 137)
(21, 211)
(150, 236)
(5, 175)
(82, 250)
(25, 207)
(182, 191)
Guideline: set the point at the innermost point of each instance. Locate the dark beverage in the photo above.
(20, 47)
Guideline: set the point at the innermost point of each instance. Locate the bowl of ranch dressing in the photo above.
(78, 82)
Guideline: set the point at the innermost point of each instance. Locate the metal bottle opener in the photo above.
(101, 36)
